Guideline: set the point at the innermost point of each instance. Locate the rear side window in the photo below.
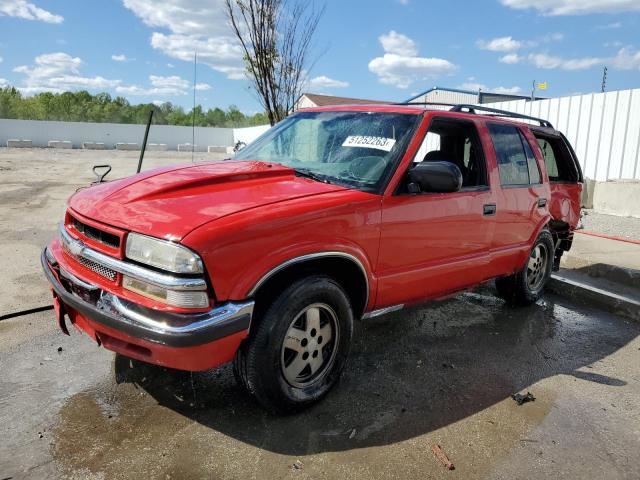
(514, 159)
(560, 162)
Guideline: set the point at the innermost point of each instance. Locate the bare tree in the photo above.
(276, 38)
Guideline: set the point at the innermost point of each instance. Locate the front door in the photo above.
(436, 243)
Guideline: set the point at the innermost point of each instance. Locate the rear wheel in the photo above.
(299, 347)
(526, 286)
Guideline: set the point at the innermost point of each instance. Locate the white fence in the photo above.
(604, 129)
(41, 132)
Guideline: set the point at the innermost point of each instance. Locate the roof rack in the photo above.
(500, 113)
(437, 104)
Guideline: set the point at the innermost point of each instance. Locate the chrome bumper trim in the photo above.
(78, 249)
(172, 329)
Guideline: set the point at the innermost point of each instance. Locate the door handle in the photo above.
(542, 202)
(489, 209)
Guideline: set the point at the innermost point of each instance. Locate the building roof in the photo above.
(506, 96)
(325, 100)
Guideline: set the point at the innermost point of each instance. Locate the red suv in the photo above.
(333, 215)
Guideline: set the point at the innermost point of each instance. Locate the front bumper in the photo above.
(196, 341)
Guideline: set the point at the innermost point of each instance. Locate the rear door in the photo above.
(435, 243)
(565, 175)
(521, 200)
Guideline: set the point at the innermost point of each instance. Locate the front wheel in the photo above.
(299, 347)
(526, 286)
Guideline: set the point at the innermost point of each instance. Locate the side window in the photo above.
(534, 171)
(455, 141)
(510, 154)
(549, 158)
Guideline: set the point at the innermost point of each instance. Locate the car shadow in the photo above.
(409, 373)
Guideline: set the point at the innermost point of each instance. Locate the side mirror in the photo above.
(435, 177)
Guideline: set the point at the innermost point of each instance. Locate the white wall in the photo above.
(40, 132)
(248, 134)
(604, 129)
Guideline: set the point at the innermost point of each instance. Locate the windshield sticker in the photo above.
(363, 141)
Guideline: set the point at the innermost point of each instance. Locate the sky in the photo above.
(375, 49)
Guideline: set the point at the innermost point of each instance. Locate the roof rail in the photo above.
(438, 104)
(500, 113)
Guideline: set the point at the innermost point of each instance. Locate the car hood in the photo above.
(171, 202)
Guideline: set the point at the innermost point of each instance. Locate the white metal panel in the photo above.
(593, 140)
(584, 131)
(606, 135)
(631, 163)
(617, 144)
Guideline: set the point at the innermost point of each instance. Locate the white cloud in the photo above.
(627, 58)
(400, 66)
(394, 42)
(550, 62)
(609, 26)
(203, 86)
(403, 2)
(3, 82)
(28, 11)
(119, 58)
(194, 25)
(480, 86)
(500, 44)
(220, 53)
(59, 72)
(510, 58)
(574, 7)
(171, 86)
(170, 65)
(325, 82)
(1, 59)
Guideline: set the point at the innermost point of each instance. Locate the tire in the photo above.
(288, 338)
(526, 286)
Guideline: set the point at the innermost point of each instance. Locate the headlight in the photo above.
(162, 254)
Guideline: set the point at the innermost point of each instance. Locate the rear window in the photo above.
(516, 163)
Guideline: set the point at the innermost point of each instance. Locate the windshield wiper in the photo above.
(302, 172)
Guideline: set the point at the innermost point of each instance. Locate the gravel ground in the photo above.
(627, 227)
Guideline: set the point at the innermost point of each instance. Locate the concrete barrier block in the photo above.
(157, 147)
(18, 143)
(220, 149)
(93, 146)
(127, 146)
(60, 144)
(617, 197)
(216, 149)
(187, 147)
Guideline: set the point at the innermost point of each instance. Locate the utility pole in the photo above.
(604, 79)
(533, 91)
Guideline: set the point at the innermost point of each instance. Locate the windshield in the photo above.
(353, 149)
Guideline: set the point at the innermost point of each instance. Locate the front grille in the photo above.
(97, 268)
(96, 234)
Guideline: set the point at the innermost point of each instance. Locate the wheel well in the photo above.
(345, 272)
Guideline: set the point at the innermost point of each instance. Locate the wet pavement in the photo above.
(437, 374)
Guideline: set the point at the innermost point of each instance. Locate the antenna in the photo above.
(604, 79)
(193, 111)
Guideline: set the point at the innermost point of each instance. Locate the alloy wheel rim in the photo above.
(537, 267)
(309, 346)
